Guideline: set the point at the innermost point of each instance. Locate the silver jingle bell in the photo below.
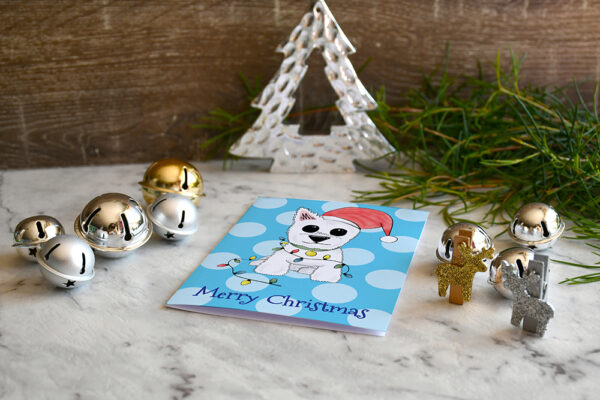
(518, 259)
(174, 216)
(537, 226)
(67, 261)
(32, 232)
(480, 240)
(113, 224)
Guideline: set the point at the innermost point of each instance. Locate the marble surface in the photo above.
(115, 339)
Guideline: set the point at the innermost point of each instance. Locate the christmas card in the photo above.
(323, 264)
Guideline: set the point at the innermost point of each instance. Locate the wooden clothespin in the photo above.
(537, 266)
(459, 273)
(456, 291)
(529, 295)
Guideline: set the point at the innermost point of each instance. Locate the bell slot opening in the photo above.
(41, 233)
(185, 179)
(126, 227)
(51, 250)
(182, 219)
(545, 228)
(156, 205)
(82, 264)
(86, 225)
(521, 268)
(448, 247)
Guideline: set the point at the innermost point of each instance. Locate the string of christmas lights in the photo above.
(273, 281)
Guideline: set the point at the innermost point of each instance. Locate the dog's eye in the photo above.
(338, 232)
(310, 228)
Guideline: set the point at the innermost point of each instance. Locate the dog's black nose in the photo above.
(318, 239)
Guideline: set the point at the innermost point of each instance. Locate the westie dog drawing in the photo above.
(314, 245)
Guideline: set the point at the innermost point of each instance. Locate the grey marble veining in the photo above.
(114, 339)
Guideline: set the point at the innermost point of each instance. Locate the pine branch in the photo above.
(466, 143)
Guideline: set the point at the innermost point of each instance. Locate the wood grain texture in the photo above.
(118, 82)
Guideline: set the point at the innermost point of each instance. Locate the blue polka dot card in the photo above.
(325, 264)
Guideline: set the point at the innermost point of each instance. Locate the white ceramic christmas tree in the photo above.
(269, 137)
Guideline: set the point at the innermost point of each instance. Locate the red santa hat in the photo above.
(365, 218)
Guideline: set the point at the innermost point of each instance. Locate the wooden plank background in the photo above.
(120, 81)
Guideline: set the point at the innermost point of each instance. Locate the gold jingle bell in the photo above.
(171, 175)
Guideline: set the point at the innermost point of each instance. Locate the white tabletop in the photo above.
(114, 339)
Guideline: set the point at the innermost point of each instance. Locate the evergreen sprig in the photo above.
(467, 143)
(227, 126)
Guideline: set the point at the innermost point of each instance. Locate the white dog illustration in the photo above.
(315, 242)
